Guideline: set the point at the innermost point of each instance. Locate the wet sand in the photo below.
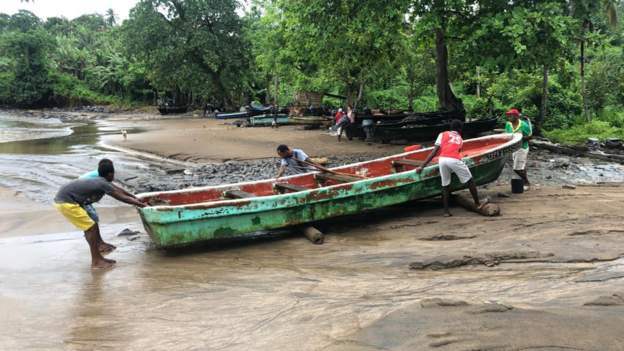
(520, 281)
(20, 216)
(210, 140)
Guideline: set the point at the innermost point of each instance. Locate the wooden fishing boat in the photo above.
(169, 109)
(267, 120)
(184, 217)
(356, 130)
(416, 132)
(311, 120)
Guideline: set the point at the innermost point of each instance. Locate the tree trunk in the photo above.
(446, 98)
(478, 82)
(544, 103)
(359, 95)
(582, 71)
(276, 93)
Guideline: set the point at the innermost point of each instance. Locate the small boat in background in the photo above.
(311, 120)
(417, 132)
(267, 120)
(171, 109)
(184, 217)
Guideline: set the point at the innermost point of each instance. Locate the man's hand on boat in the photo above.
(130, 200)
(418, 170)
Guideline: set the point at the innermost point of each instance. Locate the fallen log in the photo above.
(314, 235)
(489, 210)
(578, 151)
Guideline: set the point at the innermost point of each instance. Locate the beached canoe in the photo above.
(416, 132)
(267, 120)
(184, 217)
(311, 120)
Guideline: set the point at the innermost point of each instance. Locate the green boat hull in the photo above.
(267, 120)
(183, 225)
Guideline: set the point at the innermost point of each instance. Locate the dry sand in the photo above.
(521, 281)
(210, 140)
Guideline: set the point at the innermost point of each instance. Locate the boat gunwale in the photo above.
(234, 202)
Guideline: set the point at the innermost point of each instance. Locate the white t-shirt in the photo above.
(294, 164)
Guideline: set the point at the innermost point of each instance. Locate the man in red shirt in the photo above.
(450, 144)
(338, 116)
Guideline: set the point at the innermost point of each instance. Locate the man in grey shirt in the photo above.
(72, 198)
(295, 160)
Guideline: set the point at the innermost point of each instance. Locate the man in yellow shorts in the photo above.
(72, 198)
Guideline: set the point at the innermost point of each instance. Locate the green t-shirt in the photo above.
(523, 127)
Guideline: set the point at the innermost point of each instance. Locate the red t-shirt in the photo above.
(338, 116)
(450, 144)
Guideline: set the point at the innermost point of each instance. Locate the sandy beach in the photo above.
(210, 140)
(550, 280)
(545, 275)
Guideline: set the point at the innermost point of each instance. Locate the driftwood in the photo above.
(489, 210)
(578, 151)
(314, 235)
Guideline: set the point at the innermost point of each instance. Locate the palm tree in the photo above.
(110, 18)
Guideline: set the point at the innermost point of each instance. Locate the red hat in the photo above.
(513, 112)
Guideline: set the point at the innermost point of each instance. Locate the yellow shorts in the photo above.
(76, 215)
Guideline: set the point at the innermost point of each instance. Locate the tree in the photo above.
(586, 11)
(110, 18)
(355, 41)
(27, 71)
(438, 16)
(192, 47)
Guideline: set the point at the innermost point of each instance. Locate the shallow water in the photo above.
(37, 163)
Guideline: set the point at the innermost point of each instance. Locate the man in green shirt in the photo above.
(516, 125)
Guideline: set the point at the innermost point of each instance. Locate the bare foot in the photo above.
(103, 263)
(483, 203)
(447, 214)
(106, 247)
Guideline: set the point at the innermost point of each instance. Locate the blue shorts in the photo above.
(91, 212)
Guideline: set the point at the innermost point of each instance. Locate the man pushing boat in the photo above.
(296, 160)
(450, 144)
(72, 198)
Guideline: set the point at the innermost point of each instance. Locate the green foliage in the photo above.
(579, 133)
(192, 47)
(381, 54)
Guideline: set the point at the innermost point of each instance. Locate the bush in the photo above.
(579, 133)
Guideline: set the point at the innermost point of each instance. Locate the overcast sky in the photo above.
(68, 8)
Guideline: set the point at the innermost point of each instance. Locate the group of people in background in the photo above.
(342, 120)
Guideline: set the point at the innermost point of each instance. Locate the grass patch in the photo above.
(579, 133)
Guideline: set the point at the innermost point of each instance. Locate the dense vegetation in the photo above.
(561, 61)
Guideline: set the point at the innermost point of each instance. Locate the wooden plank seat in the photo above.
(286, 187)
(237, 194)
(405, 162)
(339, 178)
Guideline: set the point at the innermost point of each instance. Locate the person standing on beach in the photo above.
(450, 144)
(72, 198)
(517, 125)
(296, 160)
(345, 121)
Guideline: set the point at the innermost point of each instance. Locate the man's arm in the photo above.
(281, 171)
(316, 165)
(123, 191)
(120, 196)
(529, 132)
(429, 158)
